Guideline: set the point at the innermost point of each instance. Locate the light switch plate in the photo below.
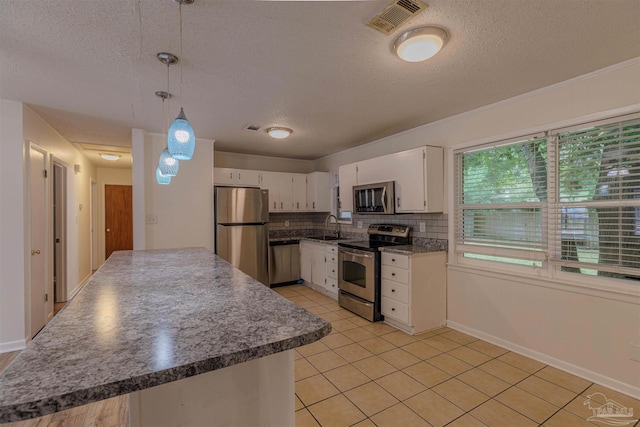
(423, 227)
(286, 223)
(152, 219)
(359, 224)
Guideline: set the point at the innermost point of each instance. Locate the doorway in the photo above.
(38, 297)
(94, 222)
(59, 232)
(118, 218)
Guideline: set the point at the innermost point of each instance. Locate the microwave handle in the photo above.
(384, 198)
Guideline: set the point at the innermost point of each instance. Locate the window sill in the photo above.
(617, 292)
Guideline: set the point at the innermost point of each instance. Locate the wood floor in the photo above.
(112, 412)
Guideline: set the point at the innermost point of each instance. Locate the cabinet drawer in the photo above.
(332, 285)
(395, 309)
(397, 291)
(332, 270)
(332, 258)
(332, 249)
(395, 260)
(396, 274)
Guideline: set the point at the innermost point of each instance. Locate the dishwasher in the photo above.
(284, 262)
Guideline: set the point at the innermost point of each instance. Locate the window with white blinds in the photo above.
(501, 197)
(571, 197)
(597, 215)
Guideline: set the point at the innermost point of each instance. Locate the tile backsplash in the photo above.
(313, 222)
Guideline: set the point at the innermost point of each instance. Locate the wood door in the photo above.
(118, 218)
(38, 227)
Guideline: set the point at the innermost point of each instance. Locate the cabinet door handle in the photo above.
(314, 205)
(230, 175)
(239, 175)
(398, 201)
(274, 205)
(393, 260)
(393, 309)
(281, 205)
(297, 205)
(393, 290)
(393, 274)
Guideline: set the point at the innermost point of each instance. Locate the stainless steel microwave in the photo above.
(374, 198)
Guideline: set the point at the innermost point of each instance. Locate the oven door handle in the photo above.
(355, 255)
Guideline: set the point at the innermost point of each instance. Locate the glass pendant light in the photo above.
(161, 178)
(181, 140)
(168, 165)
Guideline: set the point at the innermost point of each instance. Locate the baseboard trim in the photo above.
(80, 286)
(587, 374)
(6, 347)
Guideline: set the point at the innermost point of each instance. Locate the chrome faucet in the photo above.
(326, 224)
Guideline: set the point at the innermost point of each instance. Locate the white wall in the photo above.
(263, 163)
(184, 209)
(18, 124)
(78, 196)
(13, 315)
(584, 332)
(107, 176)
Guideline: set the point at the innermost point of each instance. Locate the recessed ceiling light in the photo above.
(110, 157)
(420, 43)
(279, 133)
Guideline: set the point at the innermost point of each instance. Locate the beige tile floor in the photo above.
(371, 374)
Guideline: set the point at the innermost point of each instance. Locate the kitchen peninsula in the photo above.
(189, 336)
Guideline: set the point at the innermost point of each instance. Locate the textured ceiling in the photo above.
(89, 67)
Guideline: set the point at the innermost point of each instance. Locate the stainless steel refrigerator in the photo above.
(242, 229)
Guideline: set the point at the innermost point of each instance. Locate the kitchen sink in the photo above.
(325, 238)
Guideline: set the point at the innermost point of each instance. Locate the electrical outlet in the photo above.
(634, 351)
(152, 219)
(423, 227)
(286, 223)
(359, 224)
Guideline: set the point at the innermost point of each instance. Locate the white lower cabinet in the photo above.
(414, 290)
(332, 270)
(319, 266)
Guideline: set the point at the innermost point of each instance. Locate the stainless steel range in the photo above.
(359, 266)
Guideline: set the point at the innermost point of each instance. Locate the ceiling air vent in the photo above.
(252, 128)
(396, 14)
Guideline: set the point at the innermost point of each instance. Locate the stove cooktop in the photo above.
(381, 235)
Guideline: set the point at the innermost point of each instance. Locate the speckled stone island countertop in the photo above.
(147, 318)
(419, 246)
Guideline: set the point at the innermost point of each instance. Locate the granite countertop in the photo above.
(410, 249)
(147, 318)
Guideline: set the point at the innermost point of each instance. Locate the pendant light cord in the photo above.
(181, 58)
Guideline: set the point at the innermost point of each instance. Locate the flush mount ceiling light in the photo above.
(110, 157)
(420, 43)
(279, 133)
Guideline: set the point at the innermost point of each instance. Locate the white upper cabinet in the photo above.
(299, 193)
(419, 179)
(269, 181)
(236, 177)
(375, 170)
(287, 191)
(348, 177)
(418, 175)
(318, 192)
